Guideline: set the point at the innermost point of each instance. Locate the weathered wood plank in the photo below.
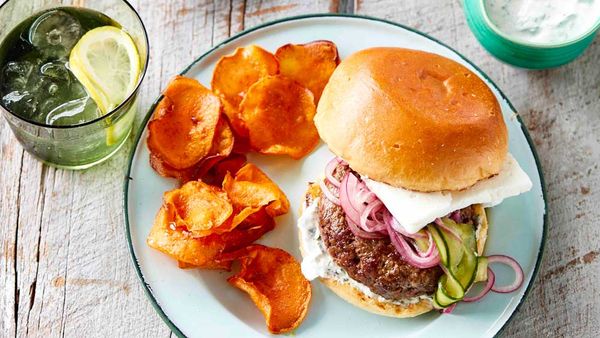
(560, 108)
(11, 161)
(247, 14)
(65, 269)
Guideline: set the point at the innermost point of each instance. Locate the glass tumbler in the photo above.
(86, 144)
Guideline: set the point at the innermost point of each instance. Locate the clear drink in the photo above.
(51, 112)
(36, 81)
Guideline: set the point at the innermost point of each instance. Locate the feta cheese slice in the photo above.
(414, 210)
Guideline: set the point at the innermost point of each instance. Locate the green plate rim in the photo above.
(148, 288)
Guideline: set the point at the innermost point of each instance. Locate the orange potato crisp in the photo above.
(235, 73)
(251, 188)
(223, 141)
(259, 102)
(273, 280)
(278, 113)
(310, 64)
(221, 148)
(181, 245)
(183, 126)
(165, 170)
(203, 252)
(200, 208)
(232, 114)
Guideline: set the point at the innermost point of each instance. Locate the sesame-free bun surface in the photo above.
(412, 119)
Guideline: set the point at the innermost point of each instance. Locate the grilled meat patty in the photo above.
(372, 262)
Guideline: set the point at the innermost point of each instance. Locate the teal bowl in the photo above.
(519, 52)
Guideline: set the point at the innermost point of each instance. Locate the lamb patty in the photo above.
(372, 262)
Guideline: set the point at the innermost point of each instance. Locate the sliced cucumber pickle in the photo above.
(440, 243)
(449, 291)
(482, 265)
(457, 250)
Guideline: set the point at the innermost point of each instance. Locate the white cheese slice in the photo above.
(414, 210)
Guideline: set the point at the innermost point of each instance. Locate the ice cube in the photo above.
(21, 103)
(71, 112)
(77, 89)
(48, 105)
(55, 33)
(15, 75)
(56, 70)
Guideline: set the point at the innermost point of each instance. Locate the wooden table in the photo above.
(64, 265)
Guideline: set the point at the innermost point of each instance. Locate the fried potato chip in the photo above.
(220, 167)
(235, 73)
(204, 252)
(182, 129)
(231, 164)
(165, 170)
(259, 218)
(178, 243)
(184, 265)
(310, 64)
(279, 115)
(246, 233)
(252, 188)
(223, 140)
(233, 116)
(222, 146)
(242, 146)
(200, 208)
(273, 280)
(241, 215)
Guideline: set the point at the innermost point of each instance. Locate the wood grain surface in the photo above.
(64, 265)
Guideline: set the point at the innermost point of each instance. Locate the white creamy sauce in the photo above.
(316, 262)
(544, 21)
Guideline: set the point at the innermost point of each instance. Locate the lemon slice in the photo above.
(106, 62)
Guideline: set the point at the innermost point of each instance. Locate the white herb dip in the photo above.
(544, 21)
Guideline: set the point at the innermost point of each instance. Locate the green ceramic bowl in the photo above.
(519, 52)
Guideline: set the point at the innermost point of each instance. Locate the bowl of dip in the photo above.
(535, 34)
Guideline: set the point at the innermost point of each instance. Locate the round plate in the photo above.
(202, 303)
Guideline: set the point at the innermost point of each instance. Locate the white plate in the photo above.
(199, 303)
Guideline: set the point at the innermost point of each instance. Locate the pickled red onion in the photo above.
(456, 216)
(347, 194)
(328, 193)
(372, 224)
(488, 286)
(441, 224)
(356, 230)
(329, 169)
(409, 254)
(449, 309)
(519, 275)
(398, 227)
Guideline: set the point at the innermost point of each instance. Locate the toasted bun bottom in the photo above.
(359, 299)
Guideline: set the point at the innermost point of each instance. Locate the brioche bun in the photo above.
(412, 119)
(359, 299)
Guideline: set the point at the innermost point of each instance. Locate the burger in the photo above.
(397, 224)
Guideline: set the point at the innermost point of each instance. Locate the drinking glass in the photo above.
(83, 145)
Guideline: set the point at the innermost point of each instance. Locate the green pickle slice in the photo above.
(459, 259)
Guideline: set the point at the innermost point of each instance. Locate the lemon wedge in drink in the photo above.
(106, 62)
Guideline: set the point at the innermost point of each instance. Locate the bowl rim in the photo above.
(538, 45)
